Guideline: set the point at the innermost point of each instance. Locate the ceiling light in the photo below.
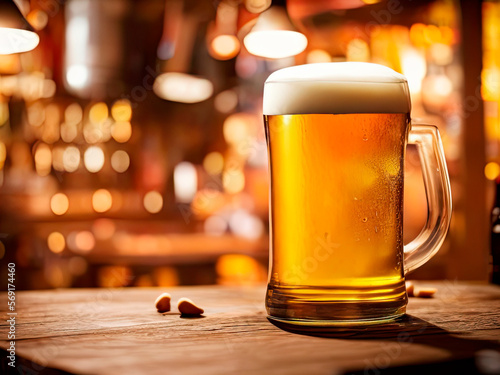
(274, 36)
(16, 34)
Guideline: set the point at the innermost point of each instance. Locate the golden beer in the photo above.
(336, 136)
(336, 209)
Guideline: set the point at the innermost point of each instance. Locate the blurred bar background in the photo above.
(132, 146)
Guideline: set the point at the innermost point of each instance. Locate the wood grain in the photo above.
(118, 331)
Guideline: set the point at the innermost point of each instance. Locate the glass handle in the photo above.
(438, 192)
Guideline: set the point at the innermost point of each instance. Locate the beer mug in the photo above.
(336, 136)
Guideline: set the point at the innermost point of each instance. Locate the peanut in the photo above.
(425, 292)
(410, 288)
(162, 303)
(187, 307)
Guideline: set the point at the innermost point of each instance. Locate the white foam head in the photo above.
(344, 87)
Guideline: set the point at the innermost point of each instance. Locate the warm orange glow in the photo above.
(225, 47)
(213, 163)
(257, 6)
(102, 200)
(447, 35)
(492, 170)
(36, 114)
(4, 113)
(233, 181)
(56, 242)
(2, 250)
(38, 19)
(120, 161)
(3, 154)
(114, 276)
(57, 158)
(166, 276)
(73, 114)
(59, 204)
(98, 113)
(121, 131)
(121, 110)
(318, 56)
(153, 202)
(417, 34)
(43, 159)
(84, 241)
(358, 50)
(103, 229)
(432, 34)
(51, 126)
(238, 269)
(236, 128)
(68, 132)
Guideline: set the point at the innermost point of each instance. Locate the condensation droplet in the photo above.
(376, 230)
(364, 220)
(365, 137)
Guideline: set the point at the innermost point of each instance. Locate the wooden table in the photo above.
(118, 331)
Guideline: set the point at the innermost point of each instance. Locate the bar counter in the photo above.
(118, 331)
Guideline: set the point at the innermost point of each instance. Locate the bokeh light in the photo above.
(215, 225)
(56, 242)
(59, 204)
(121, 131)
(121, 110)
(120, 161)
(233, 181)
(153, 202)
(43, 159)
(3, 154)
(57, 158)
(246, 225)
(236, 128)
(98, 113)
(257, 6)
(492, 170)
(213, 163)
(103, 229)
(225, 47)
(275, 44)
(71, 159)
(238, 269)
(84, 241)
(94, 159)
(185, 182)
(226, 101)
(73, 114)
(318, 56)
(102, 200)
(182, 88)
